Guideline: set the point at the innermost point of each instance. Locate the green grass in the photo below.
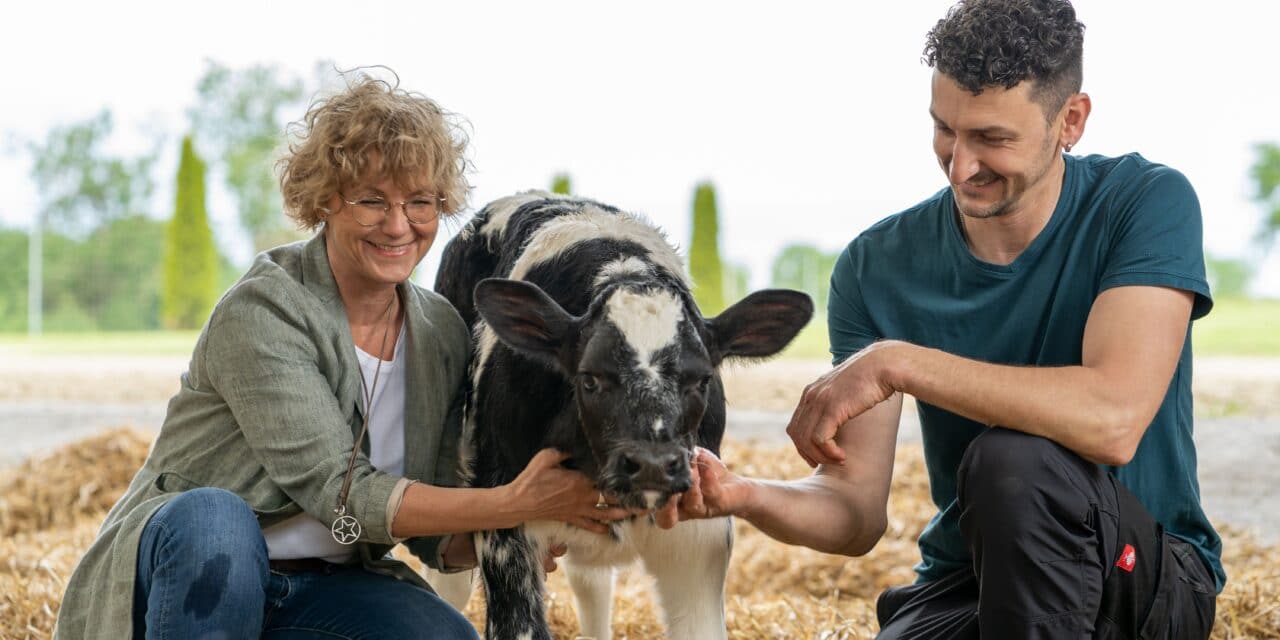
(1235, 327)
(1239, 327)
(141, 343)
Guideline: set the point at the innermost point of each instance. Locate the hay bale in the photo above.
(79, 481)
(773, 591)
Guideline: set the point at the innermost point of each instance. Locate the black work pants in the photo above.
(1060, 550)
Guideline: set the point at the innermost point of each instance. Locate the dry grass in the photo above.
(774, 591)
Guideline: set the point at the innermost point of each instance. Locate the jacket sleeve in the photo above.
(268, 358)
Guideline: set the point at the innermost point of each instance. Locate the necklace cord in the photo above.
(368, 410)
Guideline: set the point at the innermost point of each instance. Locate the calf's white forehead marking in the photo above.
(626, 266)
(657, 426)
(647, 321)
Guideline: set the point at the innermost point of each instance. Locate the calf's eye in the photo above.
(704, 384)
(589, 383)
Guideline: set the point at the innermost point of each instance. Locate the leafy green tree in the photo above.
(121, 266)
(239, 119)
(805, 268)
(705, 266)
(1228, 277)
(81, 186)
(190, 258)
(64, 285)
(13, 280)
(1266, 177)
(108, 281)
(737, 282)
(561, 184)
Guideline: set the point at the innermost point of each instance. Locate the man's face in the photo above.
(995, 147)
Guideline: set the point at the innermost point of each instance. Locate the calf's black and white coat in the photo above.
(588, 341)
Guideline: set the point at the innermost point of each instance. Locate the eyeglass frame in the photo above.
(388, 205)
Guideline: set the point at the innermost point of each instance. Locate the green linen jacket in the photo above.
(269, 409)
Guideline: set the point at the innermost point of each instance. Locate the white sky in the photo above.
(810, 118)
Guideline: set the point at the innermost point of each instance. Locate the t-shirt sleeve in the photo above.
(849, 327)
(1157, 238)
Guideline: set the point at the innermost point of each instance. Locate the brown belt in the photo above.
(302, 565)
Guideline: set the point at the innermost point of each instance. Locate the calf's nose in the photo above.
(657, 469)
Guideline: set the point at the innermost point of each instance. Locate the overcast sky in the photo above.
(810, 118)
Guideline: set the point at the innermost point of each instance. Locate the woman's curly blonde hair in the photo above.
(372, 129)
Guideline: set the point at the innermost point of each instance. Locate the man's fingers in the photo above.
(668, 516)
(832, 451)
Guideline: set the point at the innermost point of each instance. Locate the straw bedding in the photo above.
(773, 591)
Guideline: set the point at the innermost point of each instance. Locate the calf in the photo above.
(588, 341)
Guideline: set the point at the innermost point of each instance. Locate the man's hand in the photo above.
(715, 492)
(858, 384)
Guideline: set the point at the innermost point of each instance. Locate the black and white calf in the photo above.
(588, 340)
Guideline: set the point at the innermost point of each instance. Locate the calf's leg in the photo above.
(513, 585)
(592, 586)
(689, 563)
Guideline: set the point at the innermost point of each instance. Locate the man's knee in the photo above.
(1013, 480)
(1004, 462)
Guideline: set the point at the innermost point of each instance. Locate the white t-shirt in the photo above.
(303, 536)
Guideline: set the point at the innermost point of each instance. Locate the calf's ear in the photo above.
(524, 317)
(759, 325)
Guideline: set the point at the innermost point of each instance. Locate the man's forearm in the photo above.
(811, 512)
(1078, 407)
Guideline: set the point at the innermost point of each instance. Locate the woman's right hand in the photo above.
(547, 491)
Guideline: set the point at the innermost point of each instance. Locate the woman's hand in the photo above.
(547, 491)
(716, 492)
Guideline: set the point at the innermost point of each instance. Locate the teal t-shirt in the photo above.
(1119, 222)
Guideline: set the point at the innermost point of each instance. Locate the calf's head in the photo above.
(641, 363)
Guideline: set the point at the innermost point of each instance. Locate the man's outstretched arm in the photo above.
(1099, 409)
(839, 509)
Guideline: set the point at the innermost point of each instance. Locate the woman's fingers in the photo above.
(547, 458)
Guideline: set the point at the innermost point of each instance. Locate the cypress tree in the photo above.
(704, 252)
(190, 259)
(560, 184)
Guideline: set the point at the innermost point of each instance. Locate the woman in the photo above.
(318, 422)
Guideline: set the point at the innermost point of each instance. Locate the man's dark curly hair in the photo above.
(986, 43)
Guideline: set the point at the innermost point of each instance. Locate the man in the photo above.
(1038, 308)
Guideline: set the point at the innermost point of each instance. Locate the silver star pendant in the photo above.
(346, 530)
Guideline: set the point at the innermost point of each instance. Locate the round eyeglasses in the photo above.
(370, 211)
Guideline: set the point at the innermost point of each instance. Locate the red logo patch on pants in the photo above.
(1128, 558)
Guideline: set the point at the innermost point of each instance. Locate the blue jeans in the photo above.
(203, 573)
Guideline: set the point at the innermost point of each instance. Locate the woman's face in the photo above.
(374, 257)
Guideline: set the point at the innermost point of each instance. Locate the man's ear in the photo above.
(524, 317)
(759, 325)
